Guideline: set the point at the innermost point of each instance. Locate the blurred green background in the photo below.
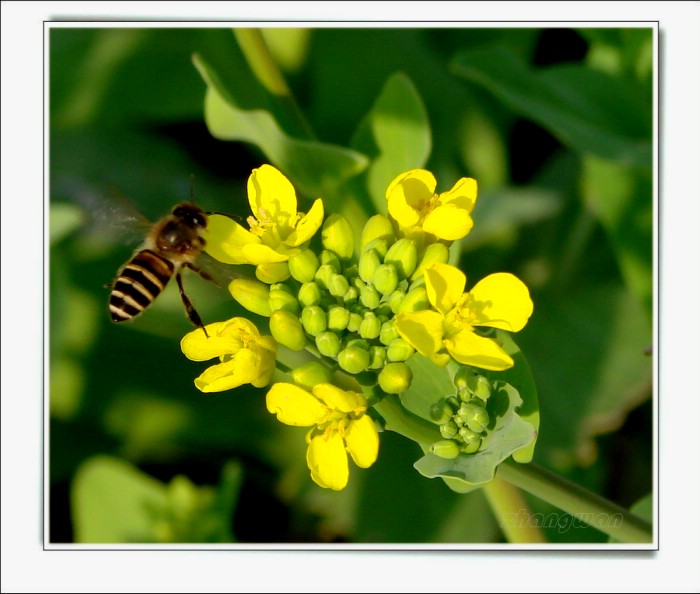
(556, 126)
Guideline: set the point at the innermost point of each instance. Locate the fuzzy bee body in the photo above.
(174, 242)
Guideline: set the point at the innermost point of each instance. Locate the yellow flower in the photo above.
(339, 427)
(415, 206)
(246, 357)
(277, 230)
(500, 300)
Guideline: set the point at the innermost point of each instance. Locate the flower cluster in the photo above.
(362, 307)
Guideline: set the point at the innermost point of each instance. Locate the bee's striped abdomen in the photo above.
(138, 284)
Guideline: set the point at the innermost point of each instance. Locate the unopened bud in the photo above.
(286, 329)
(328, 344)
(377, 227)
(311, 374)
(337, 235)
(404, 256)
(329, 257)
(282, 299)
(309, 294)
(385, 278)
(441, 413)
(369, 262)
(415, 300)
(313, 318)
(399, 350)
(369, 297)
(445, 448)
(435, 253)
(395, 378)
(338, 318)
(272, 272)
(377, 357)
(479, 386)
(449, 430)
(354, 322)
(303, 266)
(251, 294)
(353, 359)
(338, 285)
(324, 274)
(370, 326)
(475, 417)
(381, 246)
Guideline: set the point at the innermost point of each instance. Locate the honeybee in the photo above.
(173, 243)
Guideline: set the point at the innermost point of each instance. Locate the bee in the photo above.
(173, 243)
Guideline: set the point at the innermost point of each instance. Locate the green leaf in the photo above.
(395, 134)
(587, 110)
(114, 503)
(621, 198)
(508, 434)
(429, 384)
(315, 168)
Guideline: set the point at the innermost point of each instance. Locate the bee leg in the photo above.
(189, 308)
(201, 273)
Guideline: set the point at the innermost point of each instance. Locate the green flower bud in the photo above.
(445, 448)
(385, 278)
(313, 318)
(369, 297)
(338, 285)
(369, 262)
(415, 300)
(441, 413)
(464, 394)
(377, 357)
(286, 329)
(381, 246)
(399, 350)
(435, 253)
(280, 299)
(370, 326)
(251, 294)
(404, 256)
(328, 344)
(331, 258)
(324, 274)
(395, 378)
(388, 332)
(479, 386)
(475, 417)
(377, 227)
(463, 374)
(309, 294)
(396, 299)
(282, 287)
(453, 403)
(272, 272)
(310, 374)
(338, 236)
(472, 441)
(360, 343)
(449, 429)
(351, 296)
(354, 322)
(353, 359)
(303, 266)
(338, 318)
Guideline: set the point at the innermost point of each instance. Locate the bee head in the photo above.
(191, 214)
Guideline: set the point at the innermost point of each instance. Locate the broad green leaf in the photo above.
(587, 110)
(115, 503)
(395, 134)
(621, 198)
(508, 434)
(429, 384)
(315, 168)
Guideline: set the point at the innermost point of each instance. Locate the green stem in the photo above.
(265, 69)
(506, 502)
(584, 505)
(604, 515)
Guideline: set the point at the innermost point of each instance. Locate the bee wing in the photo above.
(221, 274)
(113, 218)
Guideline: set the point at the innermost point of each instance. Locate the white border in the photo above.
(25, 568)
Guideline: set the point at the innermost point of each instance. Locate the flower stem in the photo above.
(265, 69)
(604, 515)
(506, 502)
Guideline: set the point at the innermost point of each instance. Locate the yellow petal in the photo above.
(307, 226)
(328, 461)
(448, 222)
(271, 196)
(294, 406)
(422, 329)
(500, 300)
(444, 285)
(242, 369)
(362, 441)
(225, 239)
(224, 338)
(258, 253)
(462, 195)
(408, 194)
(338, 399)
(470, 349)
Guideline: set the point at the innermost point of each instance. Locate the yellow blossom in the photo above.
(246, 357)
(339, 426)
(276, 230)
(500, 300)
(414, 205)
